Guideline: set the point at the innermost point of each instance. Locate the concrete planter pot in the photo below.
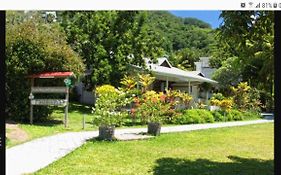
(154, 128)
(106, 132)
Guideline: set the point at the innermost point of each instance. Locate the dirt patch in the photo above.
(15, 133)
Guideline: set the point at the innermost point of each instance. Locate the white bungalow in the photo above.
(169, 77)
(174, 78)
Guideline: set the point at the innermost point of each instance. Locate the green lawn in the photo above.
(244, 150)
(55, 125)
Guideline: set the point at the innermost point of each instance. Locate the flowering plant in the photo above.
(152, 107)
(107, 110)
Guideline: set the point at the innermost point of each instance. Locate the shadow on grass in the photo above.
(237, 166)
(48, 122)
(79, 108)
(75, 108)
(59, 111)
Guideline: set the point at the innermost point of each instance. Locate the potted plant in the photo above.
(153, 109)
(107, 110)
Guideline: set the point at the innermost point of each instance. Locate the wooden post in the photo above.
(167, 84)
(31, 113)
(31, 106)
(83, 122)
(66, 108)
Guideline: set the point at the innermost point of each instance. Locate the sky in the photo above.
(211, 17)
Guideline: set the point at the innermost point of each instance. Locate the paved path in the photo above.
(36, 154)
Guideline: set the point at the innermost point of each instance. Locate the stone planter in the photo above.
(106, 133)
(154, 128)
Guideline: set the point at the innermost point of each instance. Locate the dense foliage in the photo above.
(108, 107)
(205, 116)
(244, 52)
(109, 41)
(153, 107)
(184, 39)
(180, 33)
(33, 46)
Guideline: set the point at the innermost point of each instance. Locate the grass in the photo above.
(240, 150)
(55, 125)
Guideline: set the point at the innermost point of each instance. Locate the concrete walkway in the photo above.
(36, 154)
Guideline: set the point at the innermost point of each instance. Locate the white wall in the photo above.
(86, 97)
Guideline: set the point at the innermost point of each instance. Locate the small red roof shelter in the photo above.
(57, 102)
(51, 75)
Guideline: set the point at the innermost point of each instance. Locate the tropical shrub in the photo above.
(234, 115)
(200, 105)
(175, 97)
(185, 99)
(107, 90)
(246, 97)
(145, 80)
(226, 104)
(216, 99)
(249, 115)
(215, 102)
(152, 107)
(194, 116)
(188, 117)
(241, 96)
(171, 115)
(206, 116)
(128, 82)
(108, 107)
(217, 96)
(254, 102)
(218, 115)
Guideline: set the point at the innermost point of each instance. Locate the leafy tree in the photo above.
(229, 73)
(185, 58)
(248, 35)
(109, 41)
(33, 46)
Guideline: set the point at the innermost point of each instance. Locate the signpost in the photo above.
(55, 102)
(48, 89)
(47, 102)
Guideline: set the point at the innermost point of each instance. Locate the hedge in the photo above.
(204, 116)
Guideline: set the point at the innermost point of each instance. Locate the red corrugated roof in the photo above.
(51, 75)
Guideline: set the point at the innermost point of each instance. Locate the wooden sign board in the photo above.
(49, 90)
(56, 102)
